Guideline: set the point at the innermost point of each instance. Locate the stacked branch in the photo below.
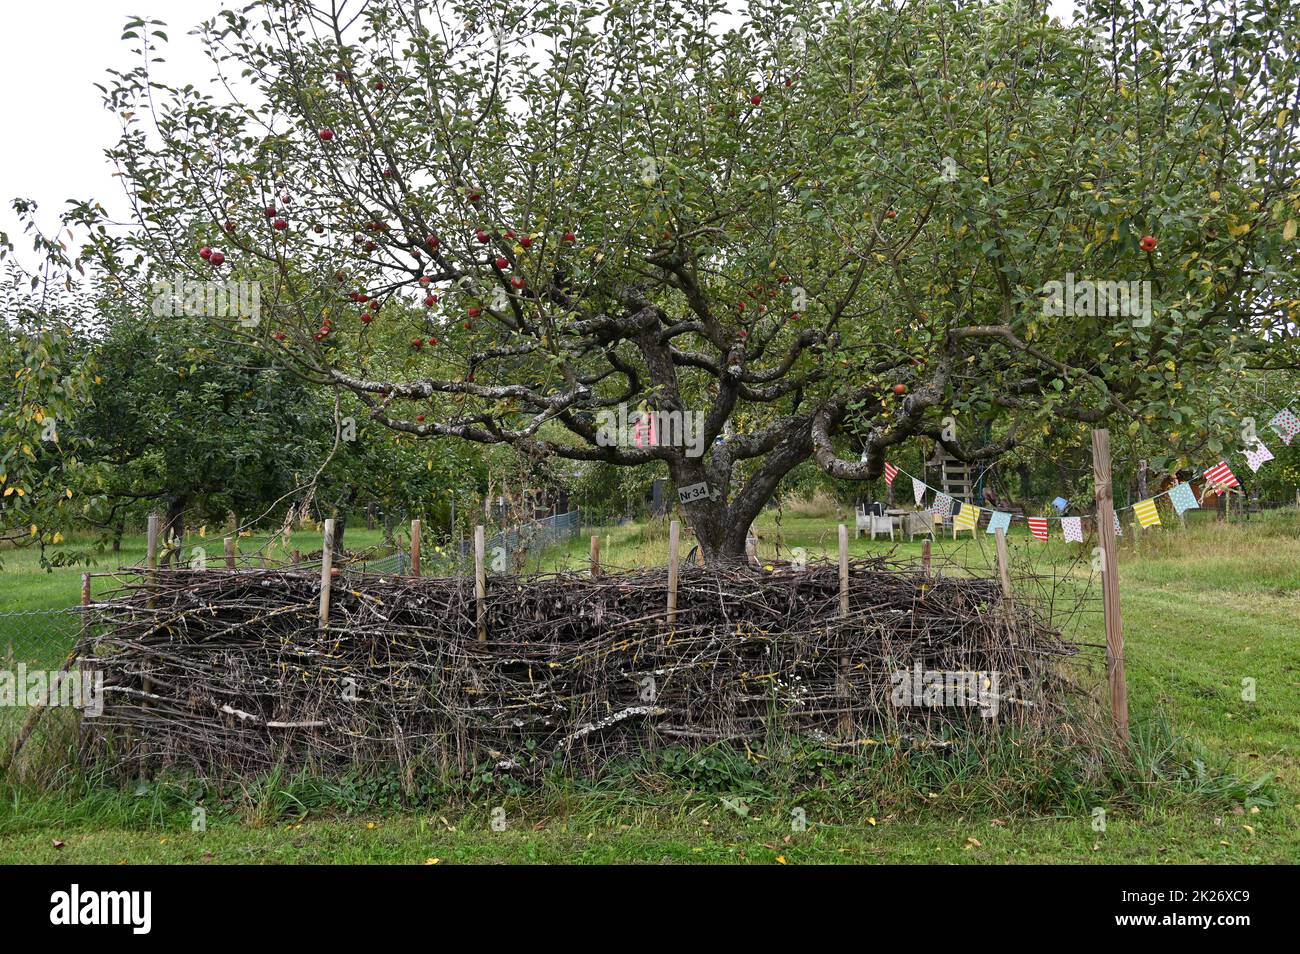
(230, 671)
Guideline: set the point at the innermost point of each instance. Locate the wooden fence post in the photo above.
(1004, 569)
(480, 583)
(595, 554)
(151, 559)
(230, 552)
(925, 557)
(846, 716)
(297, 557)
(1110, 581)
(415, 548)
(151, 542)
(326, 572)
(674, 547)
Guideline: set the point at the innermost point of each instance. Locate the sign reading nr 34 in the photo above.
(693, 493)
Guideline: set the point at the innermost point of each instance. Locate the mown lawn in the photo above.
(1204, 609)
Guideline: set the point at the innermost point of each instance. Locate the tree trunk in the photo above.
(173, 530)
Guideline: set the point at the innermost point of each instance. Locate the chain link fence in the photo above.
(40, 639)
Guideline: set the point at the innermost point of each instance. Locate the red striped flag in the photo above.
(890, 473)
(1221, 475)
(1038, 527)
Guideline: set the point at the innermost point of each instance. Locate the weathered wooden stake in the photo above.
(326, 572)
(674, 548)
(925, 557)
(1110, 581)
(415, 548)
(1004, 568)
(151, 542)
(844, 570)
(297, 557)
(846, 716)
(480, 583)
(595, 554)
(230, 552)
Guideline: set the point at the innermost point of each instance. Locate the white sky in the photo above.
(51, 54)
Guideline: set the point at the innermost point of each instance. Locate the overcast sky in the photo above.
(51, 54)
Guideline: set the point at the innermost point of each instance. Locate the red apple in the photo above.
(482, 236)
(430, 301)
(318, 229)
(756, 99)
(433, 342)
(1148, 243)
(370, 246)
(417, 343)
(419, 418)
(269, 211)
(326, 135)
(205, 253)
(278, 336)
(216, 258)
(431, 241)
(475, 196)
(891, 214)
(517, 282)
(424, 279)
(474, 312)
(794, 316)
(526, 241)
(469, 325)
(510, 233)
(900, 388)
(281, 225)
(229, 226)
(569, 236)
(502, 263)
(367, 318)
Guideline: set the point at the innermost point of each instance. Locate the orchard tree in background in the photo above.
(823, 227)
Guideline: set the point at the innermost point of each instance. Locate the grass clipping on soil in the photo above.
(228, 672)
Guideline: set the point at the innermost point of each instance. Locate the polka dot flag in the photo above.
(1257, 456)
(1286, 423)
(999, 521)
(1181, 496)
(1072, 528)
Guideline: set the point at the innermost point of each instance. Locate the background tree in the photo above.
(824, 229)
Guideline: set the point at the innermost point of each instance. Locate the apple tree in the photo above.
(801, 231)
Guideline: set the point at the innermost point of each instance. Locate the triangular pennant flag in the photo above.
(967, 517)
(999, 521)
(1181, 496)
(1072, 528)
(918, 491)
(1222, 475)
(943, 504)
(1257, 456)
(1038, 527)
(890, 473)
(1146, 512)
(1286, 423)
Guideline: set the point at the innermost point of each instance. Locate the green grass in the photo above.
(1204, 608)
